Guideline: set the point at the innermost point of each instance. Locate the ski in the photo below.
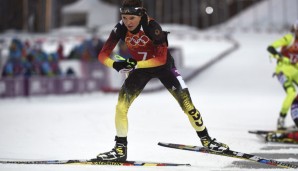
(230, 153)
(91, 162)
(262, 135)
(264, 132)
(261, 132)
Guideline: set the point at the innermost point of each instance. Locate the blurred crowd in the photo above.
(87, 50)
(30, 59)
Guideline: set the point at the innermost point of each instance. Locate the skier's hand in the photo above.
(275, 54)
(125, 66)
(278, 57)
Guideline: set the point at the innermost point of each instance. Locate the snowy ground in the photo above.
(235, 95)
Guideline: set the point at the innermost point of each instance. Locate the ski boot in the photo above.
(281, 123)
(280, 137)
(275, 137)
(118, 153)
(213, 144)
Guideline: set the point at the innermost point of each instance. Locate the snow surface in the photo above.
(235, 95)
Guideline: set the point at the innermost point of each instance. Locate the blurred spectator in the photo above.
(60, 51)
(76, 52)
(15, 49)
(26, 61)
(54, 64)
(41, 59)
(31, 67)
(27, 48)
(97, 45)
(8, 69)
(13, 66)
(88, 50)
(29, 59)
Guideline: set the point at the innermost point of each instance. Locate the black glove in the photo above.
(125, 66)
(132, 63)
(273, 51)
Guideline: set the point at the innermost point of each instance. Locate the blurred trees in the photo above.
(193, 12)
(44, 15)
(31, 15)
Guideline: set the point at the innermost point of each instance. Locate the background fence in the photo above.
(94, 79)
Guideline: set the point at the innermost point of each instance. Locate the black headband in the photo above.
(132, 11)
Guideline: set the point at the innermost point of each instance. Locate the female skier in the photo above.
(148, 45)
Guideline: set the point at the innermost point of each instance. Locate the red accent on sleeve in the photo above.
(104, 55)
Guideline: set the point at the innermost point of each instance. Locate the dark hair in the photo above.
(132, 3)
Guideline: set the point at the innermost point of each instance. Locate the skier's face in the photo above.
(131, 21)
